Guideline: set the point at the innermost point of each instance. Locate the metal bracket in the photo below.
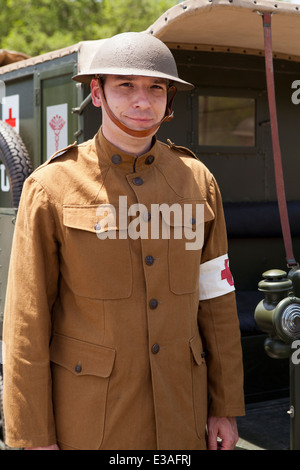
(83, 105)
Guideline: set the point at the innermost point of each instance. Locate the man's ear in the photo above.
(95, 91)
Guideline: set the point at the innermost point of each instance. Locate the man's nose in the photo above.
(142, 99)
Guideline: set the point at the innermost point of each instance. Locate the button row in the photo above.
(153, 303)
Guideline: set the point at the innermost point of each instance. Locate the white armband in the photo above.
(215, 278)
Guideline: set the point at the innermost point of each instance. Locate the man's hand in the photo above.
(225, 429)
(52, 447)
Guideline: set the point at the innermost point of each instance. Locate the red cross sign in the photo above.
(11, 121)
(11, 111)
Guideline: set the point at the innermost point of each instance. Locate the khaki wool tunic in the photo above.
(107, 345)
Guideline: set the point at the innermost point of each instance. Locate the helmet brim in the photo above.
(86, 78)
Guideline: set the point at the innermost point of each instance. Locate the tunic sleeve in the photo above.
(31, 291)
(217, 317)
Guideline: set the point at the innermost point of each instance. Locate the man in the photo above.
(107, 344)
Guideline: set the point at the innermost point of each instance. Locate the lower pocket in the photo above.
(80, 375)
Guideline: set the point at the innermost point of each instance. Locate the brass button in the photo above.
(149, 160)
(138, 181)
(155, 348)
(149, 260)
(153, 304)
(78, 368)
(116, 159)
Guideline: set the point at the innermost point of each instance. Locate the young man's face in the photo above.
(138, 102)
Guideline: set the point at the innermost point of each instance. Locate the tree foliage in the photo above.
(38, 26)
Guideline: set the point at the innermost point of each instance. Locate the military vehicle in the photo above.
(241, 125)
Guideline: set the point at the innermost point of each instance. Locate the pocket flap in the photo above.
(197, 349)
(187, 213)
(80, 357)
(96, 218)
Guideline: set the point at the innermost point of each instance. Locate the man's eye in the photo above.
(158, 87)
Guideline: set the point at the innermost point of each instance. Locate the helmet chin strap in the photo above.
(138, 133)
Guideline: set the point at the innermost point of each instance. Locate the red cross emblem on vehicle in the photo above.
(226, 273)
(11, 121)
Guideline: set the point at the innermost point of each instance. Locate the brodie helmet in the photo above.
(134, 54)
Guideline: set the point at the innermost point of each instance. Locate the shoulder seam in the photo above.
(55, 155)
(61, 152)
(181, 149)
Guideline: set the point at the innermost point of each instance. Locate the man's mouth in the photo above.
(138, 122)
(140, 119)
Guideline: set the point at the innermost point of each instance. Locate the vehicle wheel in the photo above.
(15, 157)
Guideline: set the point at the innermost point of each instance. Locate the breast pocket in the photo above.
(184, 223)
(96, 258)
(80, 375)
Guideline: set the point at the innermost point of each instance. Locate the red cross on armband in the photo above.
(214, 279)
(226, 273)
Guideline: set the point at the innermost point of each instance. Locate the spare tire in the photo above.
(15, 157)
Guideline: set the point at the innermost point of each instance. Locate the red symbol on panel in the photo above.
(11, 121)
(57, 123)
(226, 274)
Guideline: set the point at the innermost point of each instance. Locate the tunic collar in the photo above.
(121, 160)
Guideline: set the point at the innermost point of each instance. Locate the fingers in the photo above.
(222, 433)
